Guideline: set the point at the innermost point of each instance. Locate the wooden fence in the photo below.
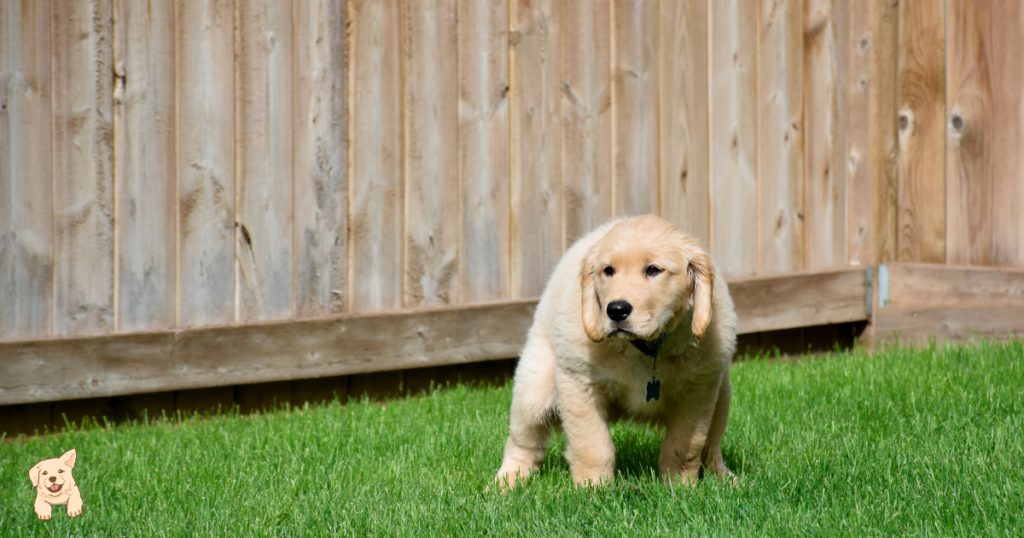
(168, 169)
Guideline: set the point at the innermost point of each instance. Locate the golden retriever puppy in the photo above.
(55, 485)
(628, 292)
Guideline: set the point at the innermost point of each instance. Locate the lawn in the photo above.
(904, 442)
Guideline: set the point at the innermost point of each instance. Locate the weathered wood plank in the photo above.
(263, 159)
(984, 164)
(930, 285)
(484, 246)
(536, 144)
(683, 116)
(951, 323)
(733, 136)
(586, 116)
(825, 123)
(122, 364)
(858, 89)
(26, 171)
(83, 174)
(921, 82)
(430, 69)
(375, 160)
(799, 300)
(635, 111)
(321, 157)
(781, 137)
(206, 164)
(883, 133)
(144, 134)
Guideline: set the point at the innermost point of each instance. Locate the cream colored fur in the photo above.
(579, 369)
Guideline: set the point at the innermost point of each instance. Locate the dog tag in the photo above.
(653, 389)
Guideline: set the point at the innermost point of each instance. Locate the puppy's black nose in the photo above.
(619, 310)
(53, 479)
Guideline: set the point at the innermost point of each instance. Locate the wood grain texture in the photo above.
(320, 161)
(984, 164)
(122, 364)
(949, 324)
(586, 116)
(781, 137)
(932, 285)
(858, 142)
(825, 133)
(206, 164)
(263, 159)
(733, 135)
(536, 144)
(83, 168)
(431, 115)
(635, 113)
(375, 158)
(921, 94)
(484, 242)
(144, 133)
(26, 171)
(799, 300)
(683, 113)
(871, 132)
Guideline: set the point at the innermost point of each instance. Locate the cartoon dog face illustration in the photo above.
(55, 485)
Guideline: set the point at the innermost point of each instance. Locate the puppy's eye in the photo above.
(60, 470)
(609, 271)
(653, 270)
(44, 472)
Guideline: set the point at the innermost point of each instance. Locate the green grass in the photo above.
(905, 442)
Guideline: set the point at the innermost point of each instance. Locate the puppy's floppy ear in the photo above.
(590, 307)
(33, 474)
(69, 458)
(702, 284)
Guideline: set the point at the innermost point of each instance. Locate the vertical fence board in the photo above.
(1008, 134)
(144, 123)
(430, 73)
(206, 164)
(484, 246)
(921, 67)
(83, 156)
(536, 144)
(883, 134)
(780, 151)
(26, 198)
(376, 156)
(635, 107)
(733, 136)
(320, 157)
(683, 112)
(983, 150)
(858, 89)
(586, 116)
(263, 159)
(825, 114)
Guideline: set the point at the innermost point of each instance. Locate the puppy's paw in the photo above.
(73, 513)
(44, 515)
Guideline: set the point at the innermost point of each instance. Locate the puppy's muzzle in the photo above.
(54, 487)
(619, 310)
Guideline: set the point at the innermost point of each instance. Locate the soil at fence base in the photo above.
(41, 418)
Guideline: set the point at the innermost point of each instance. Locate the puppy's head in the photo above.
(52, 477)
(642, 278)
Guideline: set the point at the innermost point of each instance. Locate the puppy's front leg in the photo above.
(43, 509)
(686, 433)
(75, 503)
(591, 453)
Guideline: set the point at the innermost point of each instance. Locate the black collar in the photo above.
(650, 347)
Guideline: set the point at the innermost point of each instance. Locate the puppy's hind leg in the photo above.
(712, 453)
(533, 408)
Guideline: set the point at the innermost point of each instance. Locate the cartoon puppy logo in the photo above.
(55, 486)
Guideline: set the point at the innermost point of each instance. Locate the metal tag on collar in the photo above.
(653, 384)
